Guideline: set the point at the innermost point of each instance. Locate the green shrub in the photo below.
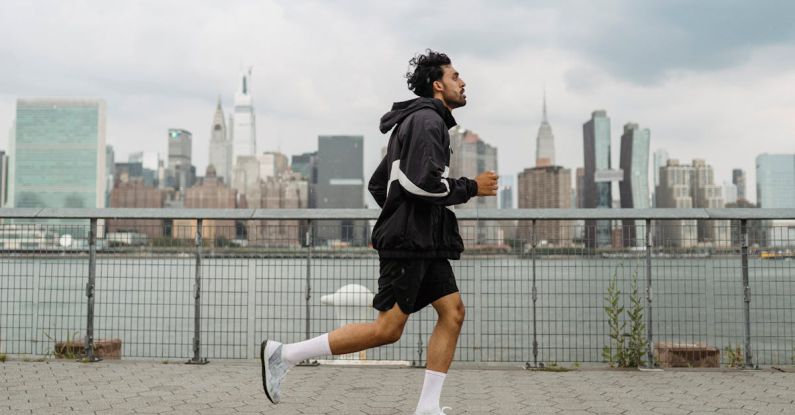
(625, 349)
(614, 353)
(734, 356)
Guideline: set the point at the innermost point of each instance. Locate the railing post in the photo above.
(420, 349)
(746, 291)
(309, 238)
(252, 309)
(92, 274)
(533, 243)
(478, 279)
(35, 324)
(197, 330)
(308, 294)
(649, 320)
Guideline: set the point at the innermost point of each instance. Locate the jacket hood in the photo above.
(401, 110)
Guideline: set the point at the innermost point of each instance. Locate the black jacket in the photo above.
(412, 187)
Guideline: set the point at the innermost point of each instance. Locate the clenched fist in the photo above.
(487, 183)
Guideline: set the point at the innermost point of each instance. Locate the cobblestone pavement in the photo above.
(235, 387)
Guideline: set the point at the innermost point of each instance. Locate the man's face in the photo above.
(452, 88)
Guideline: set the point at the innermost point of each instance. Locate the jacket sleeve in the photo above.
(378, 183)
(423, 170)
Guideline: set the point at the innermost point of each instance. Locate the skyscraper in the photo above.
(775, 180)
(246, 179)
(729, 193)
(110, 167)
(306, 165)
(272, 164)
(287, 191)
(708, 195)
(674, 192)
(251, 171)
(148, 159)
(242, 123)
(635, 165)
(7, 182)
(3, 178)
(634, 188)
(151, 164)
(738, 179)
(775, 188)
(685, 187)
(181, 172)
(546, 187)
(58, 154)
(220, 147)
(125, 172)
(580, 187)
(660, 160)
(340, 172)
(470, 157)
(209, 193)
(545, 141)
(598, 190)
(506, 191)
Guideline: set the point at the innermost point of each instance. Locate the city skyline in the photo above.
(218, 132)
(719, 80)
(180, 158)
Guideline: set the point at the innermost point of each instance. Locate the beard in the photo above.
(455, 99)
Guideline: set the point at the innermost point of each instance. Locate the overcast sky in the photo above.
(711, 79)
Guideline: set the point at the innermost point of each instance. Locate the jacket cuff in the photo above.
(472, 188)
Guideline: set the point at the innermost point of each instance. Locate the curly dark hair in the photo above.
(427, 68)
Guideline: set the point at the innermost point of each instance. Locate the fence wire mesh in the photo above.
(536, 291)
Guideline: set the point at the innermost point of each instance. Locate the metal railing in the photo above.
(211, 284)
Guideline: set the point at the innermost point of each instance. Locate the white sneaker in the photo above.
(274, 369)
(434, 412)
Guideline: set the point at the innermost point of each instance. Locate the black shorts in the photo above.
(413, 283)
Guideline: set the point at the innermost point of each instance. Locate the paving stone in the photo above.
(235, 387)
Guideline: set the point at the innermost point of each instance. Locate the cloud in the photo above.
(696, 73)
(647, 42)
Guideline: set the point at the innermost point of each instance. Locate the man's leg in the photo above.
(386, 329)
(278, 358)
(350, 338)
(441, 348)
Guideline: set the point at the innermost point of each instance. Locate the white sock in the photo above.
(431, 391)
(307, 349)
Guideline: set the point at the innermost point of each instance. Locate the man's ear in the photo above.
(438, 86)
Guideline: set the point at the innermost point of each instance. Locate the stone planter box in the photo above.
(686, 355)
(108, 349)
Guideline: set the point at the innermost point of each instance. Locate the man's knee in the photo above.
(454, 314)
(458, 314)
(389, 326)
(388, 333)
(451, 311)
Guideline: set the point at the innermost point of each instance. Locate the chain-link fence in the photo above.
(541, 287)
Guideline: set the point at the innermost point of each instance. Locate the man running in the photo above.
(415, 235)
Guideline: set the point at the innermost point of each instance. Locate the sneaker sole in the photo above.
(265, 372)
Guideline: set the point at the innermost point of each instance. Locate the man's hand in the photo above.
(487, 183)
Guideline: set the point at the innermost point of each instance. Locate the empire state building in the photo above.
(545, 142)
